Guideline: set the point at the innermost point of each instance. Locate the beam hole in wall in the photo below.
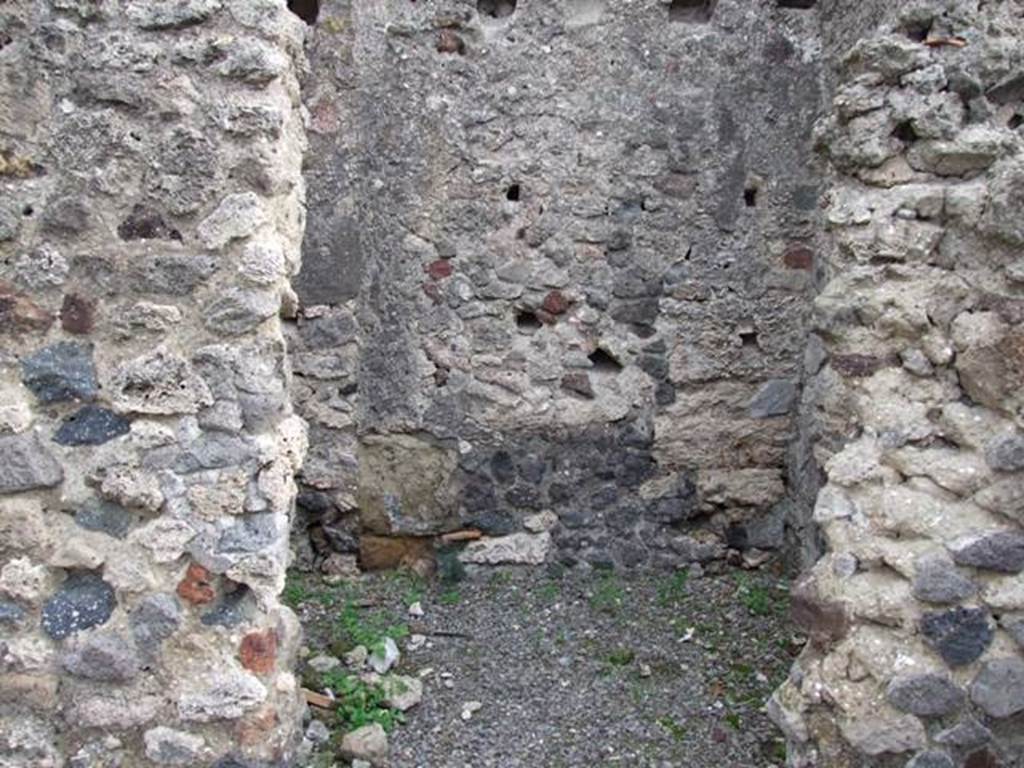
(748, 338)
(604, 362)
(513, 192)
(28, 210)
(1015, 122)
(307, 10)
(803, 4)
(496, 9)
(918, 31)
(904, 131)
(750, 197)
(691, 11)
(527, 321)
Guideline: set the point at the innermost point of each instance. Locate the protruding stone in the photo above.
(62, 371)
(402, 692)
(936, 580)
(774, 398)
(368, 743)
(385, 657)
(236, 217)
(177, 15)
(220, 695)
(1005, 453)
(926, 695)
(515, 549)
(960, 636)
(104, 656)
(1002, 551)
(166, 746)
(159, 383)
(931, 759)
(155, 619)
(104, 517)
(26, 464)
(91, 425)
(84, 600)
(999, 687)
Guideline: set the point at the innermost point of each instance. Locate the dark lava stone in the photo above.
(91, 425)
(960, 635)
(84, 600)
(62, 371)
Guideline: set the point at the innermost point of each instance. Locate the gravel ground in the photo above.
(582, 669)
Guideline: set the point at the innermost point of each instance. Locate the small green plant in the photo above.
(450, 597)
(621, 657)
(295, 593)
(756, 598)
(733, 720)
(353, 628)
(674, 729)
(608, 595)
(549, 592)
(360, 703)
(672, 590)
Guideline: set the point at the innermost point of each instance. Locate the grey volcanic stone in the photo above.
(999, 687)
(104, 517)
(176, 15)
(1002, 551)
(936, 580)
(155, 619)
(960, 636)
(925, 695)
(232, 609)
(775, 398)
(84, 600)
(10, 613)
(91, 425)
(63, 371)
(967, 733)
(250, 534)
(1015, 628)
(106, 656)
(25, 463)
(931, 759)
(1005, 453)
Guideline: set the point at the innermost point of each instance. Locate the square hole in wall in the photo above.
(691, 11)
(797, 3)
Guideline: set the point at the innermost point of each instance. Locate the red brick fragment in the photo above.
(197, 586)
(77, 314)
(440, 269)
(555, 303)
(19, 313)
(798, 256)
(258, 651)
(449, 42)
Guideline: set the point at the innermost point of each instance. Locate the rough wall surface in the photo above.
(560, 257)
(150, 213)
(916, 613)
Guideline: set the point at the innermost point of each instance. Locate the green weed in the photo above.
(672, 590)
(360, 703)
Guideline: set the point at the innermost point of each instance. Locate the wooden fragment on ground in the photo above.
(956, 42)
(318, 700)
(469, 534)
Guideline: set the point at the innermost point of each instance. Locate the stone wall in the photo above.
(150, 214)
(916, 612)
(560, 257)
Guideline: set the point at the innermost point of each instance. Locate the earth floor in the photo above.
(569, 669)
